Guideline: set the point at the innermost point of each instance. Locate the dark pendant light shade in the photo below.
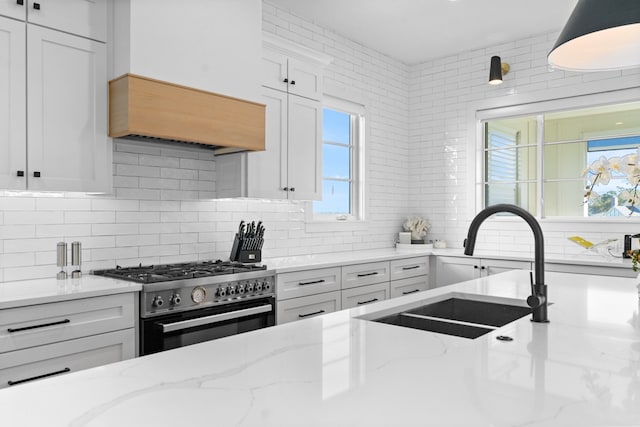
(600, 35)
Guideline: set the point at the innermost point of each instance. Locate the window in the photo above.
(342, 140)
(544, 162)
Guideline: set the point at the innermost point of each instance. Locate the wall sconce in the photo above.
(497, 70)
(599, 36)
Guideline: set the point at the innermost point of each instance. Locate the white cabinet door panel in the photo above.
(13, 127)
(67, 112)
(13, 9)
(408, 286)
(307, 282)
(266, 170)
(409, 267)
(355, 297)
(306, 307)
(304, 79)
(86, 18)
(304, 150)
(274, 70)
(456, 269)
(28, 365)
(364, 274)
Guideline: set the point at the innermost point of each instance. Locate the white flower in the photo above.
(601, 168)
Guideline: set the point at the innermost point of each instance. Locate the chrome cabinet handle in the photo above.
(43, 325)
(37, 377)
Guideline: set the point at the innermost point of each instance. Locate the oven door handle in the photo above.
(214, 318)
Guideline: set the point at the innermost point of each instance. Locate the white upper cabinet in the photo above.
(67, 110)
(291, 165)
(291, 75)
(13, 156)
(16, 9)
(85, 18)
(213, 45)
(53, 97)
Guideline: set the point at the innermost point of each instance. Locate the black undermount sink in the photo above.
(462, 317)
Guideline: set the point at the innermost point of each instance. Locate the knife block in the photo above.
(244, 255)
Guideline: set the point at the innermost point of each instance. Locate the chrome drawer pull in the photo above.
(50, 374)
(215, 318)
(368, 274)
(44, 325)
(411, 268)
(411, 292)
(367, 302)
(311, 283)
(310, 314)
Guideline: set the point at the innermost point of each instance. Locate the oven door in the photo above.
(191, 327)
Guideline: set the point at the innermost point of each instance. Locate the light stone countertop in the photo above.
(304, 262)
(581, 369)
(40, 291)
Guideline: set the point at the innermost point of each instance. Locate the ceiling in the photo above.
(415, 31)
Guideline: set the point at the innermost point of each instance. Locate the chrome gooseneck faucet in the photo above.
(538, 298)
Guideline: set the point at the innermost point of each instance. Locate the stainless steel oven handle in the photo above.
(214, 318)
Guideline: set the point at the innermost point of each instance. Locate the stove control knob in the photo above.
(240, 289)
(258, 287)
(176, 299)
(157, 301)
(266, 285)
(221, 292)
(231, 290)
(250, 287)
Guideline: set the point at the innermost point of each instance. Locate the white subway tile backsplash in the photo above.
(163, 207)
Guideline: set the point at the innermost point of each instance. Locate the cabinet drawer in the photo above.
(408, 286)
(356, 297)
(410, 267)
(305, 307)
(364, 274)
(308, 282)
(80, 17)
(34, 325)
(18, 367)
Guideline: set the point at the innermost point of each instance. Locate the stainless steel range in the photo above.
(188, 303)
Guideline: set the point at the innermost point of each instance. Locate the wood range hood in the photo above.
(141, 107)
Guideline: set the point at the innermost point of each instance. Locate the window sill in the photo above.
(320, 226)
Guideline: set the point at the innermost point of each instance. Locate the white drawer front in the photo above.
(34, 325)
(409, 267)
(409, 286)
(307, 282)
(364, 274)
(305, 307)
(22, 366)
(356, 297)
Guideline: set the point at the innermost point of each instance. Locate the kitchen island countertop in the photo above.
(581, 369)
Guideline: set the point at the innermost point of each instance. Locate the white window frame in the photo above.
(536, 108)
(357, 161)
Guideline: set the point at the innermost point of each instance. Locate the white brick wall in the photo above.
(442, 94)
(163, 207)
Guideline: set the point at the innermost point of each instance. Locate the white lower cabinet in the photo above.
(355, 297)
(313, 292)
(44, 340)
(309, 306)
(31, 364)
(459, 269)
(398, 288)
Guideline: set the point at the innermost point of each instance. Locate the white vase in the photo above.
(416, 235)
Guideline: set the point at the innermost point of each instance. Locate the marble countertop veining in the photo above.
(40, 291)
(581, 369)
